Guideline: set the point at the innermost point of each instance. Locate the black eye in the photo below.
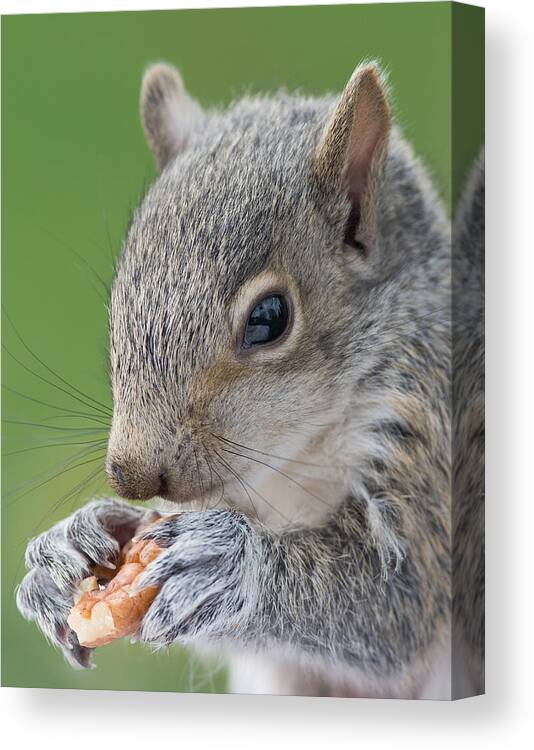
(267, 321)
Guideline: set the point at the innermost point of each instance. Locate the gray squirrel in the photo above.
(280, 330)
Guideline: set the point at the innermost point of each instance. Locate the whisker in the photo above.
(80, 415)
(51, 406)
(54, 427)
(85, 262)
(293, 472)
(106, 409)
(54, 476)
(54, 385)
(269, 455)
(241, 482)
(208, 464)
(199, 478)
(59, 465)
(112, 258)
(282, 473)
(270, 505)
(77, 490)
(221, 482)
(44, 518)
(318, 477)
(100, 482)
(262, 497)
(54, 445)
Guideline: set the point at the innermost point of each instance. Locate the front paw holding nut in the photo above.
(207, 577)
(61, 557)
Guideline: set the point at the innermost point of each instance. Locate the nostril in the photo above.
(117, 473)
(136, 482)
(163, 484)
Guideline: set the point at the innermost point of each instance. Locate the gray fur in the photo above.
(209, 578)
(358, 582)
(468, 488)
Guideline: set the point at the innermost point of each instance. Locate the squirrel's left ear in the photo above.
(350, 155)
(168, 113)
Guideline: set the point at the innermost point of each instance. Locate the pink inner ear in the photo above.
(356, 181)
(352, 141)
(368, 129)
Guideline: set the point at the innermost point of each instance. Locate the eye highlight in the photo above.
(267, 322)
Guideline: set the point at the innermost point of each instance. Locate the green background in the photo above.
(74, 164)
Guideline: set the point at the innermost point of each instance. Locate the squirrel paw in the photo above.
(207, 575)
(61, 557)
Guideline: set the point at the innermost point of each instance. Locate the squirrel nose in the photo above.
(134, 483)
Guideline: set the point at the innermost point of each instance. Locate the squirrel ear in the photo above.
(168, 113)
(351, 153)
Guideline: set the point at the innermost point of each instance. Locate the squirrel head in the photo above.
(239, 293)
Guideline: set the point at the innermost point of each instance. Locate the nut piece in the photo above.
(102, 614)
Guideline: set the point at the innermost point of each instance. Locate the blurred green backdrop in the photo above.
(74, 163)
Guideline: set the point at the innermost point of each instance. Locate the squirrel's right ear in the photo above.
(350, 155)
(168, 113)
